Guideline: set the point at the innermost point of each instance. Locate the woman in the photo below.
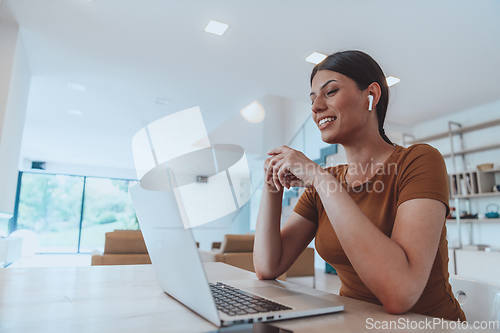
(379, 220)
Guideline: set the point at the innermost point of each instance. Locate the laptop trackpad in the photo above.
(273, 292)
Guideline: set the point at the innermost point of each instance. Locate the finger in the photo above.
(275, 178)
(297, 183)
(279, 150)
(283, 170)
(269, 173)
(292, 180)
(272, 163)
(267, 163)
(288, 179)
(268, 177)
(267, 166)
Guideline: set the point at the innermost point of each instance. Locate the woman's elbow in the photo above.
(263, 270)
(399, 304)
(264, 275)
(396, 308)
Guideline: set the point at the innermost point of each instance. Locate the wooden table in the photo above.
(129, 299)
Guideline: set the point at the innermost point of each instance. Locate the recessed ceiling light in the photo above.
(253, 112)
(216, 28)
(75, 112)
(391, 80)
(77, 86)
(315, 58)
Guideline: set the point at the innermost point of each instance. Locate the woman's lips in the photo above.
(327, 123)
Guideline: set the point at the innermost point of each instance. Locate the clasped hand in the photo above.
(288, 167)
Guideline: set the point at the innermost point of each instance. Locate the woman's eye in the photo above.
(331, 92)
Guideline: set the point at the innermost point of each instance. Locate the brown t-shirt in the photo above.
(418, 171)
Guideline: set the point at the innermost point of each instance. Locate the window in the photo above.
(107, 207)
(50, 206)
(73, 213)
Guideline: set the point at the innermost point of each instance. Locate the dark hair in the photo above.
(361, 68)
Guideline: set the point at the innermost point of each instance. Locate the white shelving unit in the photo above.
(469, 184)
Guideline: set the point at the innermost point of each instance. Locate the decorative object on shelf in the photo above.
(468, 184)
(465, 215)
(452, 213)
(492, 211)
(475, 221)
(484, 166)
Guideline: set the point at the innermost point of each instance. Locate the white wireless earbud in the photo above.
(370, 105)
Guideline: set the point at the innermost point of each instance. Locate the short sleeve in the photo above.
(306, 206)
(423, 175)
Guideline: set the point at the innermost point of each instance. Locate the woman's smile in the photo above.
(326, 122)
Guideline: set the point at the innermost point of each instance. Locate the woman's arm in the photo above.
(395, 269)
(275, 250)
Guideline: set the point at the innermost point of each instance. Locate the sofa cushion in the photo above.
(243, 260)
(303, 265)
(124, 242)
(120, 259)
(237, 243)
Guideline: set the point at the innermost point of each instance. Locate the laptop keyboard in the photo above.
(235, 302)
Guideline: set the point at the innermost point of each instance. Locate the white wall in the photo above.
(296, 113)
(14, 89)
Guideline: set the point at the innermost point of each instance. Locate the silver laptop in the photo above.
(181, 274)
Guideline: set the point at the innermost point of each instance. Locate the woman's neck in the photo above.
(365, 154)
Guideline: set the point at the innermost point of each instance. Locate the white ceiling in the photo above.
(129, 53)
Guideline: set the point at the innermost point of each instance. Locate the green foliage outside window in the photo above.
(50, 206)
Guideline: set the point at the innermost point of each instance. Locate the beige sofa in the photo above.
(123, 247)
(127, 247)
(237, 250)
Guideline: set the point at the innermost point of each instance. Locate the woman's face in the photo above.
(340, 109)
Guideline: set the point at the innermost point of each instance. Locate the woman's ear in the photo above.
(375, 91)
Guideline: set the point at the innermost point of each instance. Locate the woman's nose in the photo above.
(318, 105)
